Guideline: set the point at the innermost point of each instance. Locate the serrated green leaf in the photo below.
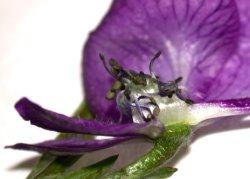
(49, 165)
(161, 173)
(94, 171)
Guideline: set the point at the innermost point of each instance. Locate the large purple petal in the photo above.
(73, 146)
(57, 122)
(232, 81)
(196, 38)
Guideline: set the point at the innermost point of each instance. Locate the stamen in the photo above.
(169, 88)
(110, 94)
(102, 58)
(139, 79)
(116, 85)
(180, 96)
(179, 79)
(152, 62)
(116, 68)
(166, 89)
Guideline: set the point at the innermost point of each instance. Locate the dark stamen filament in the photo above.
(102, 58)
(152, 62)
(178, 80)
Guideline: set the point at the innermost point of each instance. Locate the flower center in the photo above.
(143, 97)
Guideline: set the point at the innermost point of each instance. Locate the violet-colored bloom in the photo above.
(205, 42)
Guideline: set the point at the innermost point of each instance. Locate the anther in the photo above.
(189, 101)
(116, 85)
(178, 80)
(180, 96)
(170, 88)
(110, 94)
(115, 67)
(139, 78)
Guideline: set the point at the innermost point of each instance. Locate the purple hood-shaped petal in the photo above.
(205, 41)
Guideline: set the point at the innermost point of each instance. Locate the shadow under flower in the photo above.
(222, 125)
(26, 163)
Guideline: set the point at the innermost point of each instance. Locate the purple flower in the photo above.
(205, 42)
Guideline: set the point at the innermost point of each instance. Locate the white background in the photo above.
(40, 53)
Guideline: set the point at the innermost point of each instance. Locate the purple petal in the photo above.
(73, 146)
(196, 38)
(240, 105)
(216, 109)
(57, 122)
(233, 81)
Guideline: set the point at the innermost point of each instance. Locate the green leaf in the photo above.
(49, 165)
(94, 171)
(160, 173)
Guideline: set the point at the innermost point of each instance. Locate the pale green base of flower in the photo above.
(165, 148)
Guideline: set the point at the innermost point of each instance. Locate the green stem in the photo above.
(165, 147)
